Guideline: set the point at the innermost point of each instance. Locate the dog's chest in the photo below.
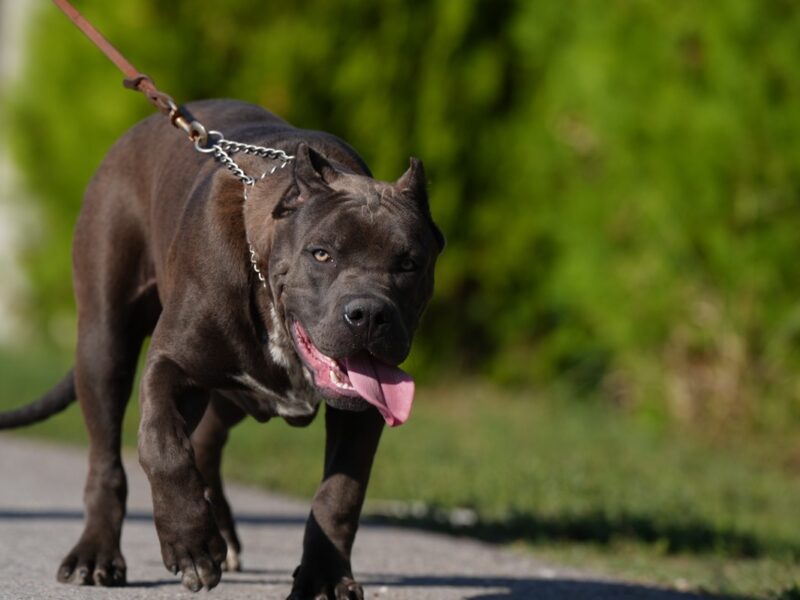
(263, 398)
(262, 402)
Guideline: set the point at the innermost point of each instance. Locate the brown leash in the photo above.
(134, 80)
(210, 142)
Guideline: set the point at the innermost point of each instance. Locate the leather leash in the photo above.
(210, 142)
(179, 116)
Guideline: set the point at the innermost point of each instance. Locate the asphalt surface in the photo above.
(41, 518)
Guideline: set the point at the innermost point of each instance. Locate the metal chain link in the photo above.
(254, 262)
(222, 149)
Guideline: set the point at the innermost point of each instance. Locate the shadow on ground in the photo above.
(689, 536)
(138, 516)
(497, 588)
(512, 588)
(596, 527)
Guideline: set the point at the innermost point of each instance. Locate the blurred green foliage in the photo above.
(618, 181)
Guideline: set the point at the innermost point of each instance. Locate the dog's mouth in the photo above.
(387, 388)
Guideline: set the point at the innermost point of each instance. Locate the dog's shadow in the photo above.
(140, 516)
(227, 579)
(496, 588)
(528, 588)
(247, 576)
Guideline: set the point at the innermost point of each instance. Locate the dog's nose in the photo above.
(366, 313)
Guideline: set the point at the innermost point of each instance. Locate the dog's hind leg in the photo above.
(117, 308)
(208, 440)
(104, 372)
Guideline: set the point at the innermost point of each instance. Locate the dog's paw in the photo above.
(345, 589)
(89, 563)
(198, 563)
(193, 546)
(233, 561)
(348, 589)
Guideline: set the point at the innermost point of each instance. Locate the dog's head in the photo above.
(351, 270)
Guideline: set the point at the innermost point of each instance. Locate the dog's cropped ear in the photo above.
(413, 184)
(313, 175)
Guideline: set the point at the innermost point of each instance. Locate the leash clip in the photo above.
(183, 120)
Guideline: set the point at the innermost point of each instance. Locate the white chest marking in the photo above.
(293, 404)
(279, 343)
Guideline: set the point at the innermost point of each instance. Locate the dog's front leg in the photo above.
(325, 571)
(189, 536)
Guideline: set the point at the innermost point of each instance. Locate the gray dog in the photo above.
(307, 291)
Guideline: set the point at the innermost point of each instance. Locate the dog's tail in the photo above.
(54, 401)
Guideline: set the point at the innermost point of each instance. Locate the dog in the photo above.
(306, 290)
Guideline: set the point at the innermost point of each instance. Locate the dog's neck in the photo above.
(259, 227)
(260, 201)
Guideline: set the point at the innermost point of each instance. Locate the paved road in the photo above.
(41, 517)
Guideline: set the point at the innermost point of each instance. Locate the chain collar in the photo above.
(222, 151)
(254, 262)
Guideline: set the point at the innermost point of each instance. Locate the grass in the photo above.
(574, 483)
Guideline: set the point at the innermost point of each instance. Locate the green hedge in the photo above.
(618, 181)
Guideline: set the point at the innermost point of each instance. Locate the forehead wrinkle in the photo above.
(374, 194)
(350, 230)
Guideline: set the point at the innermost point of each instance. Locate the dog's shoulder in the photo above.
(226, 114)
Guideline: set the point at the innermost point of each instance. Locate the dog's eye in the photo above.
(407, 264)
(321, 255)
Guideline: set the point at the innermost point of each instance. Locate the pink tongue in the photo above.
(389, 389)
